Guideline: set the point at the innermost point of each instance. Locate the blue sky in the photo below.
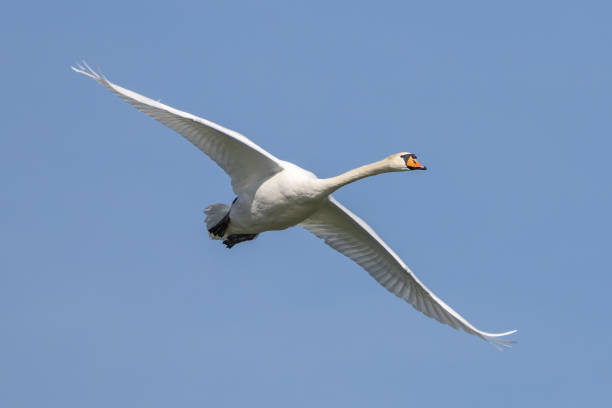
(111, 293)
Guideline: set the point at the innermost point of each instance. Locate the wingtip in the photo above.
(508, 333)
(497, 341)
(86, 70)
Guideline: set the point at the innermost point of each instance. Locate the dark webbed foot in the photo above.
(221, 227)
(238, 238)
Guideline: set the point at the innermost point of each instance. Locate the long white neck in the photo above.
(333, 183)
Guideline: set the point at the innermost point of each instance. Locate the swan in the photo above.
(273, 194)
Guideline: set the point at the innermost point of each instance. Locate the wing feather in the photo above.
(350, 235)
(240, 158)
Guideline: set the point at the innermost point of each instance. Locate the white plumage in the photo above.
(273, 194)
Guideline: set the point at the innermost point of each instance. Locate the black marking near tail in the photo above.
(219, 229)
(238, 238)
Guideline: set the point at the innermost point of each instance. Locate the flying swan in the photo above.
(273, 194)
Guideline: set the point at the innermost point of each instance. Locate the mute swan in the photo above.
(273, 194)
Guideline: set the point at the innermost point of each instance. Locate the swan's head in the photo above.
(405, 161)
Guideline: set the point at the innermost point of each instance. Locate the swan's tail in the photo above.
(215, 214)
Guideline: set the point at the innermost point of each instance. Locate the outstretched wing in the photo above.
(350, 235)
(242, 160)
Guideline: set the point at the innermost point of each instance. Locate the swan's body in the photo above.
(279, 202)
(273, 194)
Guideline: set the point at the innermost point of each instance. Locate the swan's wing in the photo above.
(241, 159)
(350, 235)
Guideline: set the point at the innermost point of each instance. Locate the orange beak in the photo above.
(413, 164)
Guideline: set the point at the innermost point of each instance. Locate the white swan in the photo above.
(273, 194)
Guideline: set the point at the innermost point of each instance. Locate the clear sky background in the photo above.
(112, 294)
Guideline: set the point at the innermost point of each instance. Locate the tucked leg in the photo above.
(221, 227)
(238, 238)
